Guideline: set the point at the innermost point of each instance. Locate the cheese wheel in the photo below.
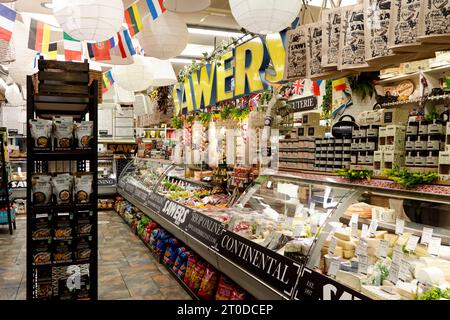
(431, 275)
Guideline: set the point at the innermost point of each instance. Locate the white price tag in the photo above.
(354, 218)
(404, 270)
(313, 229)
(373, 227)
(268, 239)
(269, 185)
(383, 248)
(332, 247)
(397, 254)
(393, 273)
(354, 230)
(364, 231)
(361, 249)
(258, 230)
(412, 243)
(298, 230)
(427, 234)
(399, 226)
(434, 246)
(299, 210)
(312, 207)
(334, 267)
(322, 218)
(363, 264)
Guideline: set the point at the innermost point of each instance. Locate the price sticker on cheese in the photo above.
(399, 226)
(334, 267)
(397, 255)
(313, 227)
(427, 234)
(312, 207)
(332, 247)
(361, 249)
(383, 248)
(363, 264)
(288, 223)
(298, 230)
(354, 218)
(412, 243)
(404, 270)
(434, 246)
(393, 272)
(299, 210)
(373, 227)
(354, 230)
(364, 231)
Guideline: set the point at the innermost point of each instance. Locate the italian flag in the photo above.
(72, 48)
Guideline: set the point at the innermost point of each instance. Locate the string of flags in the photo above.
(107, 80)
(118, 47)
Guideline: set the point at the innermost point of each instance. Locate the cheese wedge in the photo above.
(431, 275)
(380, 234)
(407, 291)
(421, 250)
(376, 293)
(348, 254)
(343, 234)
(347, 245)
(392, 238)
(350, 279)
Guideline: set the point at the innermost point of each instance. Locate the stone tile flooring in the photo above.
(127, 270)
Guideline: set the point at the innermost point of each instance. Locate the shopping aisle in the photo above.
(127, 270)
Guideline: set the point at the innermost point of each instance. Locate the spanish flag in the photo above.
(340, 84)
(39, 36)
(133, 19)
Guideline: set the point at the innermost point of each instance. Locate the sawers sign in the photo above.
(239, 72)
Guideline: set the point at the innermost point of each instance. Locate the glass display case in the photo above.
(144, 173)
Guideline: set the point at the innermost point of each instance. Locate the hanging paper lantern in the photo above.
(263, 17)
(14, 96)
(165, 37)
(163, 73)
(135, 77)
(186, 5)
(90, 20)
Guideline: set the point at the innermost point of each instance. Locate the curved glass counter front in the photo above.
(144, 173)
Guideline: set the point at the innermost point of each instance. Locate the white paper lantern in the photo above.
(135, 77)
(163, 73)
(90, 20)
(184, 6)
(265, 16)
(165, 37)
(14, 96)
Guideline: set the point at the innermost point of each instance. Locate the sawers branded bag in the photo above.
(434, 21)
(296, 54)
(352, 42)
(331, 31)
(314, 67)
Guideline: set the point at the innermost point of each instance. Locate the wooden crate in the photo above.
(97, 75)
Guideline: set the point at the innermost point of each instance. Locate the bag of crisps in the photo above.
(208, 284)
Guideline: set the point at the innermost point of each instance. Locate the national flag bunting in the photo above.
(316, 87)
(39, 36)
(339, 84)
(156, 8)
(125, 44)
(72, 48)
(100, 51)
(51, 51)
(7, 20)
(108, 81)
(133, 19)
(299, 86)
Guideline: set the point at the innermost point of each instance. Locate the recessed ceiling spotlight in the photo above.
(47, 5)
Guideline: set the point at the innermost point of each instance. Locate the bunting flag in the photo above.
(125, 44)
(156, 8)
(299, 86)
(108, 81)
(316, 87)
(72, 48)
(51, 51)
(99, 51)
(339, 84)
(133, 19)
(39, 36)
(7, 20)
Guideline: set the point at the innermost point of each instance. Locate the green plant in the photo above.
(190, 119)
(327, 101)
(225, 113)
(239, 114)
(363, 84)
(205, 117)
(408, 179)
(430, 116)
(177, 123)
(355, 174)
(435, 293)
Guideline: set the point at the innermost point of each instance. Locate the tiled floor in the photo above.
(126, 268)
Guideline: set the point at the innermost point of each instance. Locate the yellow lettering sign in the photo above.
(274, 44)
(176, 100)
(223, 76)
(249, 61)
(203, 88)
(186, 101)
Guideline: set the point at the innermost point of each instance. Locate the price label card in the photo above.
(364, 231)
(322, 218)
(354, 230)
(274, 241)
(383, 248)
(299, 210)
(404, 270)
(427, 234)
(312, 207)
(332, 247)
(269, 184)
(288, 223)
(298, 230)
(434, 246)
(397, 255)
(258, 230)
(363, 264)
(373, 227)
(268, 239)
(361, 249)
(393, 272)
(412, 243)
(399, 226)
(334, 267)
(313, 229)
(354, 218)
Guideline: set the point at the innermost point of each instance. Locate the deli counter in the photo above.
(304, 236)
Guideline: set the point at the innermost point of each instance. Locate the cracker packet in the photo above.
(62, 188)
(41, 131)
(83, 188)
(41, 189)
(84, 132)
(63, 134)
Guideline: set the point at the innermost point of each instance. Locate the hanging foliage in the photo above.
(363, 84)
(177, 123)
(327, 101)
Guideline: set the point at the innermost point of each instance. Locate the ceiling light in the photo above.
(196, 50)
(182, 60)
(47, 5)
(214, 32)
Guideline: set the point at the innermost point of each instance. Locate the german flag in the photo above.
(39, 36)
(133, 19)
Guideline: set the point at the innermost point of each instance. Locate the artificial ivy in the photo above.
(363, 84)
(327, 101)
(409, 179)
(355, 174)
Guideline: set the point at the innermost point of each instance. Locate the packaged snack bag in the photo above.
(238, 294)
(181, 257)
(191, 262)
(225, 289)
(63, 134)
(197, 276)
(84, 132)
(41, 131)
(209, 282)
(83, 188)
(62, 188)
(41, 189)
